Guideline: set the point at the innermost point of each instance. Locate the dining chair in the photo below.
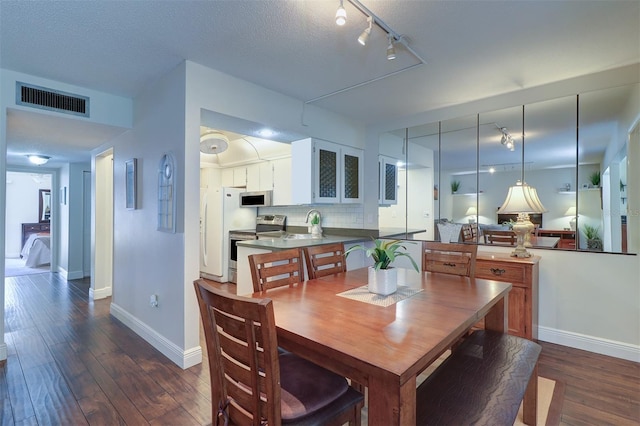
(470, 232)
(449, 258)
(499, 237)
(326, 259)
(276, 269)
(251, 383)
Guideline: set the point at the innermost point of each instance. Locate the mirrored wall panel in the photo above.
(573, 150)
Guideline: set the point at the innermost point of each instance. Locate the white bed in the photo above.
(36, 250)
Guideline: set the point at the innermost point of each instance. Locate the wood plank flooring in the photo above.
(71, 363)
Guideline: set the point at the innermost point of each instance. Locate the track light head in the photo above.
(364, 37)
(341, 15)
(391, 51)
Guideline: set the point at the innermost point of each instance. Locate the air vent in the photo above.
(52, 100)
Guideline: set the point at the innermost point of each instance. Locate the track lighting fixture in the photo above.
(391, 51)
(341, 15)
(506, 139)
(364, 37)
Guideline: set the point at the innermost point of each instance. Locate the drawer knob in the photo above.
(497, 271)
(453, 265)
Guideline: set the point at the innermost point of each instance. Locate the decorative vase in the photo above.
(383, 281)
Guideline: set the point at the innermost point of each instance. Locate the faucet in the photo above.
(314, 229)
(317, 213)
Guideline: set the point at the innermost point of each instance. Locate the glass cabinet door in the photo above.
(352, 174)
(327, 156)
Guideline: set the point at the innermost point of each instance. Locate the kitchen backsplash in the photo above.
(333, 215)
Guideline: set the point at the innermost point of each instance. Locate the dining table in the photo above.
(384, 342)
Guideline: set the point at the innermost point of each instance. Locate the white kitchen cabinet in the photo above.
(226, 177)
(266, 176)
(253, 177)
(240, 176)
(388, 180)
(326, 172)
(281, 174)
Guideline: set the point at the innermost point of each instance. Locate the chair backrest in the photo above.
(499, 237)
(470, 232)
(327, 259)
(451, 258)
(276, 269)
(241, 340)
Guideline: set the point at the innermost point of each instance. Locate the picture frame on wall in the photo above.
(130, 167)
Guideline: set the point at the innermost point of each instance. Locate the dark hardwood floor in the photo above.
(69, 362)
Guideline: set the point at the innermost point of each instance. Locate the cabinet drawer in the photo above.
(507, 272)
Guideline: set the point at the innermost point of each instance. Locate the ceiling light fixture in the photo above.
(507, 139)
(364, 37)
(213, 143)
(341, 15)
(38, 159)
(391, 51)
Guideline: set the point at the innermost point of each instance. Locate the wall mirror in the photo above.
(574, 153)
(44, 205)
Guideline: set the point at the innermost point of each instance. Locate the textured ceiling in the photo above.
(473, 49)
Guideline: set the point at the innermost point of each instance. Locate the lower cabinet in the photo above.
(523, 297)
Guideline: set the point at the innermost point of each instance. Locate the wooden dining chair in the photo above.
(251, 383)
(499, 237)
(276, 269)
(449, 258)
(326, 259)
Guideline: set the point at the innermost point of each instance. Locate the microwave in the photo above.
(255, 199)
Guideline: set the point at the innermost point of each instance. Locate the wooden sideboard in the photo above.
(567, 237)
(522, 273)
(33, 228)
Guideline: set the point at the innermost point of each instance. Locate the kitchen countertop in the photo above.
(283, 244)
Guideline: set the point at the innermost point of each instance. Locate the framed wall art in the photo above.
(130, 167)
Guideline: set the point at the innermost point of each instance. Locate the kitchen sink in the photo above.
(302, 237)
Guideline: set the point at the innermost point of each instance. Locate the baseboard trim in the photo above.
(590, 343)
(184, 359)
(101, 293)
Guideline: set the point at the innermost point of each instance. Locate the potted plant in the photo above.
(592, 233)
(594, 178)
(383, 278)
(455, 186)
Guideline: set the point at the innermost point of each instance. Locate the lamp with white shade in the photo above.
(571, 211)
(472, 211)
(522, 199)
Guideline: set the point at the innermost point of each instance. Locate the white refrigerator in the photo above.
(220, 212)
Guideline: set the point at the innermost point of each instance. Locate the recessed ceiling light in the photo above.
(38, 159)
(265, 133)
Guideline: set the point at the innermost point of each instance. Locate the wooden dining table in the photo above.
(384, 347)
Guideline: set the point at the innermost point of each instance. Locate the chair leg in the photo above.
(530, 403)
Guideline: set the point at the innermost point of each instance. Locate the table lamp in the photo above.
(522, 199)
(571, 211)
(472, 211)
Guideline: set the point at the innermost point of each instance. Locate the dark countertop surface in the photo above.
(327, 238)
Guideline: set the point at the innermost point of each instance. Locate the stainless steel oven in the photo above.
(234, 237)
(264, 223)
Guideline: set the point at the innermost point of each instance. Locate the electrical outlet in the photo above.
(153, 301)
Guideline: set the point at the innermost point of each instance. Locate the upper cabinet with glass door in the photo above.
(325, 172)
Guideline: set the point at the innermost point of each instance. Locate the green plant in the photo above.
(384, 253)
(455, 186)
(315, 220)
(594, 178)
(591, 232)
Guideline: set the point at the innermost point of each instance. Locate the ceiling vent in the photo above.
(52, 100)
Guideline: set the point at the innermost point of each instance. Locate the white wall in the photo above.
(23, 192)
(148, 262)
